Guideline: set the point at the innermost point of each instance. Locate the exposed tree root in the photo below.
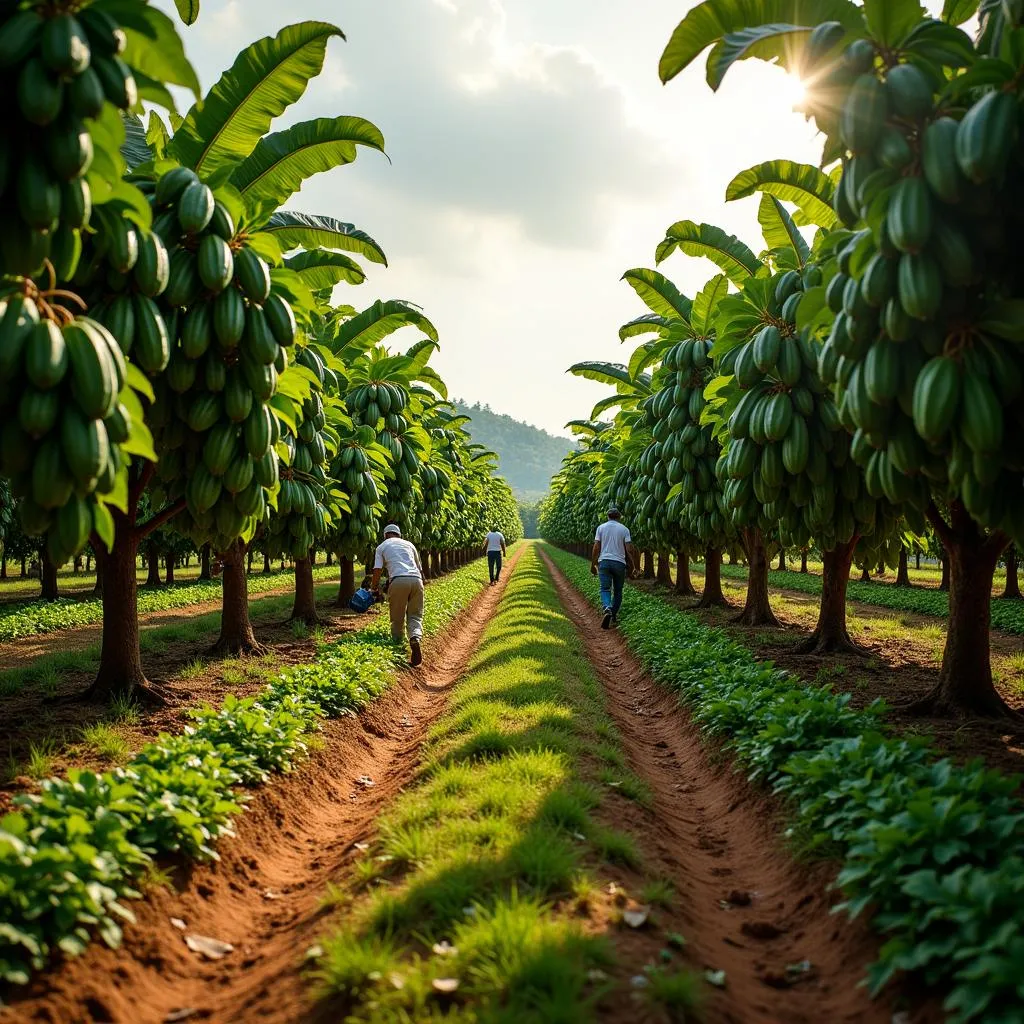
(818, 643)
(987, 706)
(234, 647)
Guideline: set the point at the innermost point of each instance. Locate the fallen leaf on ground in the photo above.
(716, 978)
(178, 923)
(212, 949)
(636, 916)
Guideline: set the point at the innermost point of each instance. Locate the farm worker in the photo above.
(494, 545)
(612, 557)
(401, 561)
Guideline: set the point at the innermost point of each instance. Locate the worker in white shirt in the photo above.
(612, 558)
(401, 561)
(494, 545)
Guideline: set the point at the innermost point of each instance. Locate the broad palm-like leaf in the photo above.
(153, 46)
(649, 323)
(308, 231)
(266, 78)
(726, 251)
(658, 293)
(711, 21)
(810, 189)
(373, 325)
(281, 162)
(321, 268)
(779, 230)
(612, 373)
(774, 42)
(705, 305)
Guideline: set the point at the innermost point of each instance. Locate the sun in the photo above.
(791, 89)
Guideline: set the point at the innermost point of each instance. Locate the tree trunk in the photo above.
(965, 684)
(732, 557)
(169, 562)
(917, 558)
(1012, 579)
(903, 572)
(328, 559)
(782, 561)
(346, 580)
(120, 669)
(713, 596)
(248, 560)
(664, 574)
(3, 569)
(865, 575)
(684, 585)
(757, 610)
(267, 567)
(236, 635)
(944, 582)
(204, 563)
(153, 561)
(648, 565)
(436, 569)
(803, 560)
(49, 578)
(830, 634)
(97, 590)
(76, 565)
(24, 566)
(304, 607)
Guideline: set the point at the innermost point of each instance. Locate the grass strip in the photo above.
(467, 907)
(1006, 615)
(69, 855)
(933, 850)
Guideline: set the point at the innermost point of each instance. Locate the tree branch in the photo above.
(941, 527)
(160, 518)
(135, 491)
(996, 543)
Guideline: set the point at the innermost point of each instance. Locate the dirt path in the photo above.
(750, 909)
(265, 894)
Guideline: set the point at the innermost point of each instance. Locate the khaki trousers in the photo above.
(405, 601)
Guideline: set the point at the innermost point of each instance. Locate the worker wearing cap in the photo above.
(613, 556)
(401, 561)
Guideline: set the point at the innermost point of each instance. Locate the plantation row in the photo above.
(71, 854)
(173, 364)
(934, 850)
(858, 393)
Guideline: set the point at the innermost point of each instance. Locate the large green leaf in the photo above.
(188, 10)
(308, 231)
(266, 78)
(281, 162)
(779, 230)
(380, 321)
(705, 305)
(135, 149)
(659, 294)
(810, 189)
(726, 251)
(764, 41)
(956, 12)
(321, 268)
(890, 20)
(608, 373)
(154, 47)
(649, 323)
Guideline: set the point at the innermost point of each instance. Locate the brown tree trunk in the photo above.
(267, 567)
(328, 559)
(965, 684)
(732, 557)
(1012, 590)
(436, 569)
(713, 596)
(153, 561)
(346, 580)
(236, 635)
(865, 575)
(782, 561)
(248, 560)
(48, 577)
(803, 560)
(903, 572)
(830, 634)
(24, 566)
(917, 559)
(97, 590)
(757, 611)
(120, 668)
(304, 608)
(3, 569)
(944, 582)
(684, 585)
(204, 563)
(169, 562)
(664, 574)
(648, 565)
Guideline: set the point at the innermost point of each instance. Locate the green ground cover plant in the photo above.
(70, 853)
(934, 851)
(463, 907)
(36, 617)
(1006, 615)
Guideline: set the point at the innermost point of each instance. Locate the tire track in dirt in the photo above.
(750, 909)
(265, 894)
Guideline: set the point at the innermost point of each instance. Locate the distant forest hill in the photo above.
(529, 457)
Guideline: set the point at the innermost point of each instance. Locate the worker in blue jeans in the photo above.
(494, 545)
(612, 557)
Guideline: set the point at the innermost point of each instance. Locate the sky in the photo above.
(534, 157)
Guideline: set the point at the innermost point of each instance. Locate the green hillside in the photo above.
(529, 456)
